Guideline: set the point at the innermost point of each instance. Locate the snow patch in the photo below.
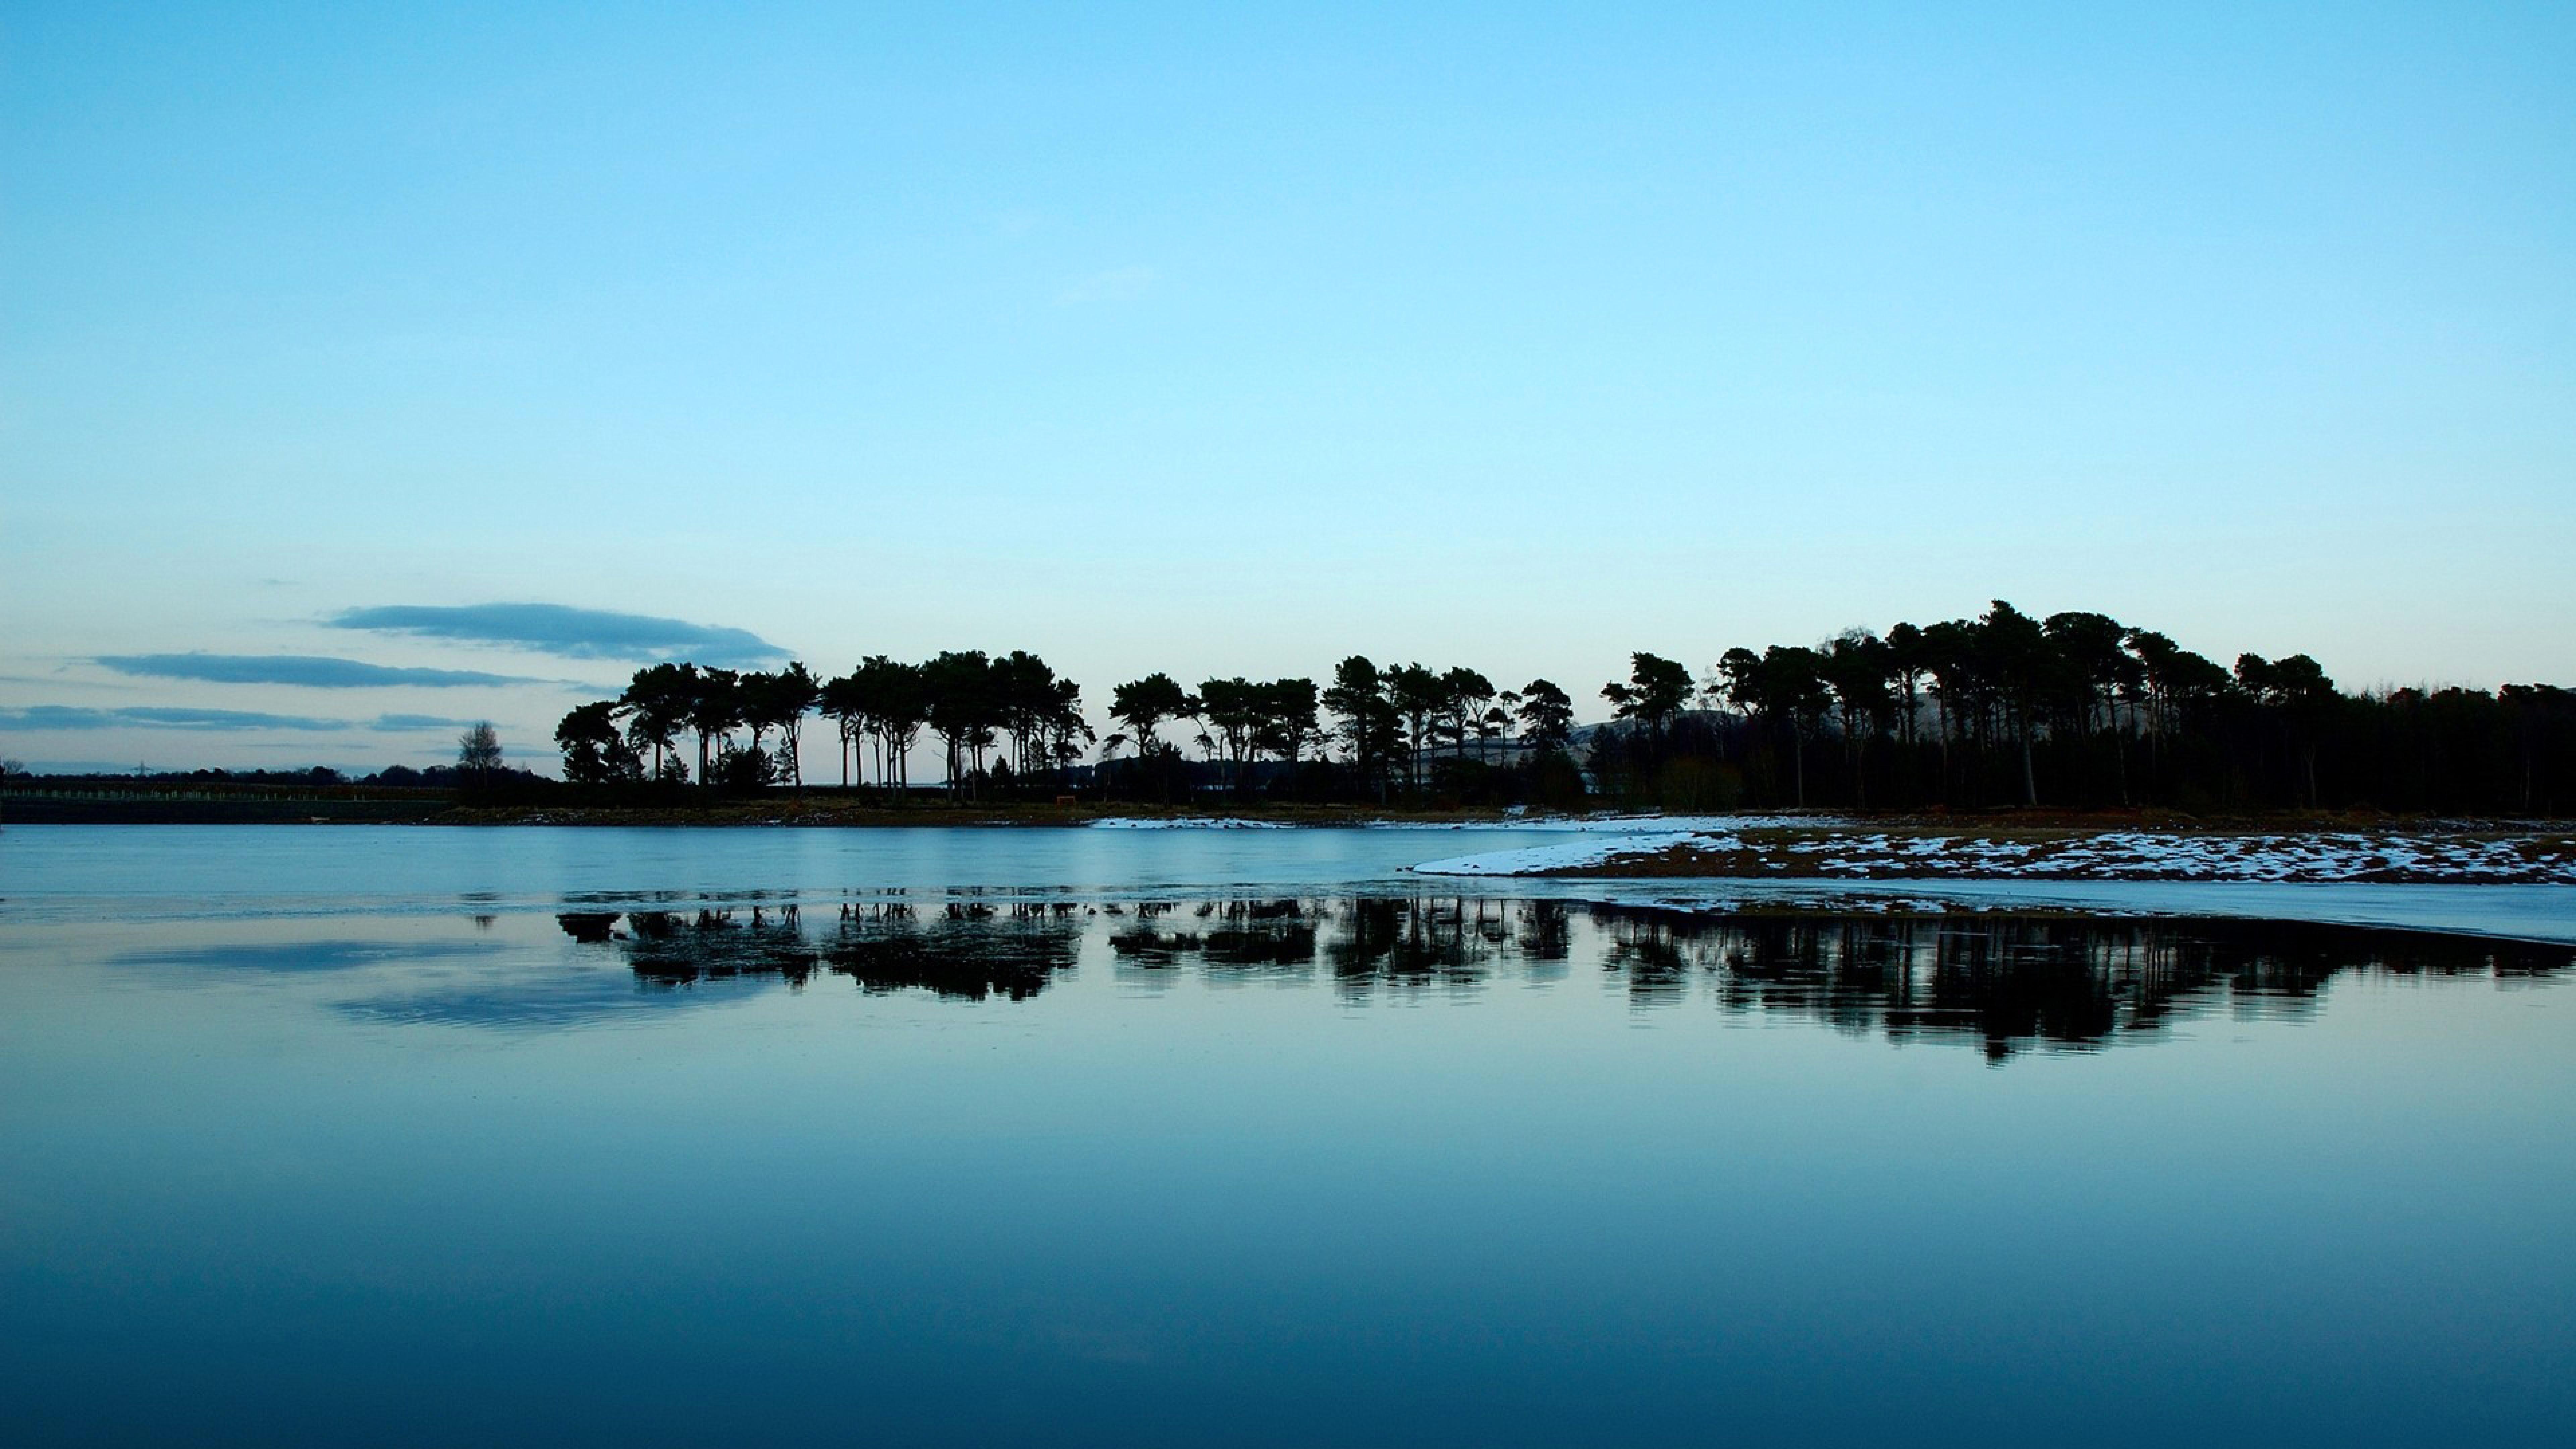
(1190, 822)
(2111, 855)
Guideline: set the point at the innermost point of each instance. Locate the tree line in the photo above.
(1010, 723)
(2075, 709)
(1002, 718)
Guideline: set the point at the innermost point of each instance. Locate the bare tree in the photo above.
(478, 750)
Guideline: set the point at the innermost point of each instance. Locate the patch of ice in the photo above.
(1564, 855)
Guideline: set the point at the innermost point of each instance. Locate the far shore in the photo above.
(782, 809)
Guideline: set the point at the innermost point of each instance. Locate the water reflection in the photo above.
(967, 950)
(1232, 939)
(295, 958)
(2000, 983)
(970, 950)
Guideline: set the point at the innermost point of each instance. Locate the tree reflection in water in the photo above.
(969, 951)
(1232, 939)
(2000, 982)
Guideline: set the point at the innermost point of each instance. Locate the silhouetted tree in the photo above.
(715, 710)
(1236, 708)
(1546, 716)
(2298, 694)
(2013, 654)
(478, 752)
(1288, 719)
(1794, 692)
(1143, 705)
(656, 705)
(964, 710)
(1854, 668)
(781, 701)
(896, 700)
(844, 703)
(1030, 706)
(1905, 667)
(1358, 698)
(1418, 697)
(594, 751)
(1465, 696)
(1061, 727)
(1655, 691)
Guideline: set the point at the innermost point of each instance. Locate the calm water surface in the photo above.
(429, 1137)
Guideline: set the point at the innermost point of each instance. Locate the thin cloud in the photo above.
(569, 632)
(228, 719)
(73, 717)
(397, 723)
(310, 671)
(58, 717)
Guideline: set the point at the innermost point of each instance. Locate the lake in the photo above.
(421, 1136)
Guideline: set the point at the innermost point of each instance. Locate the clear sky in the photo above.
(1225, 340)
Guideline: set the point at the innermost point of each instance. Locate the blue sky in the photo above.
(1168, 338)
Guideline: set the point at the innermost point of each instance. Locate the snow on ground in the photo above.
(2111, 855)
(1629, 826)
(1619, 824)
(1188, 822)
(2135, 855)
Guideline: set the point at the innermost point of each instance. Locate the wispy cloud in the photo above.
(74, 717)
(569, 632)
(311, 671)
(397, 723)
(1118, 284)
(79, 717)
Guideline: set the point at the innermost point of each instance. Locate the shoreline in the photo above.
(2032, 846)
(825, 809)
